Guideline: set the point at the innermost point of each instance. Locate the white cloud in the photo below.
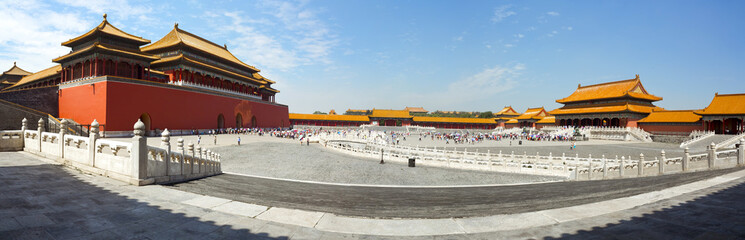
(487, 83)
(553, 14)
(120, 9)
(291, 36)
(501, 13)
(508, 45)
(519, 35)
(552, 33)
(32, 33)
(569, 28)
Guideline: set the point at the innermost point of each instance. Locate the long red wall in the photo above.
(84, 103)
(167, 107)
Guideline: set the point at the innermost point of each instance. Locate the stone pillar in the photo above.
(661, 163)
(712, 150)
(24, 124)
(198, 158)
(92, 136)
(605, 167)
(39, 130)
(640, 165)
(62, 129)
(589, 166)
(180, 149)
(165, 142)
(138, 154)
(741, 153)
(190, 151)
(686, 159)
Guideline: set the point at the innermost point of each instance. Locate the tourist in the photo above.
(215, 139)
(199, 139)
(239, 141)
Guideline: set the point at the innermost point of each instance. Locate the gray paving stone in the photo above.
(9, 223)
(36, 220)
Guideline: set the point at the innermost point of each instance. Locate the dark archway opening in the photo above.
(239, 121)
(220, 121)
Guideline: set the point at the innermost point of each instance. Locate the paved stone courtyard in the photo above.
(46, 201)
(286, 158)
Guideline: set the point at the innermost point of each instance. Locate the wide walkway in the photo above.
(39, 200)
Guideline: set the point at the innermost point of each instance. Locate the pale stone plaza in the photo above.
(280, 188)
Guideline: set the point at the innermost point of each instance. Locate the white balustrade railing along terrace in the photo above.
(570, 167)
(134, 162)
(696, 136)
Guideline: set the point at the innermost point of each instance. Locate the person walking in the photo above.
(215, 139)
(239, 141)
(199, 139)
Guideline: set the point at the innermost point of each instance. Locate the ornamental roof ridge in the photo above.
(107, 28)
(609, 83)
(180, 36)
(15, 70)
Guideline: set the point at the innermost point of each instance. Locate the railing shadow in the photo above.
(44, 201)
(719, 215)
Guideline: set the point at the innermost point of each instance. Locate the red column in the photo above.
(90, 70)
(116, 68)
(132, 69)
(72, 72)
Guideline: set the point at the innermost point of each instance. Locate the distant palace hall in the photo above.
(181, 81)
(624, 103)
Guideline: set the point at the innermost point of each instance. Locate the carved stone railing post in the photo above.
(605, 167)
(63, 126)
(24, 124)
(92, 136)
(640, 165)
(621, 166)
(589, 171)
(686, 159)
(712, 150)
(661, 163)
(165, 142)
(198, 159)
(190, 150)
(741, 153)
(138, 154)
(180, 149)
(39, 130)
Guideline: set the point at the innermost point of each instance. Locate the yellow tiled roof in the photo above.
(386, 113)
(353, 118)
(455, 120)
(725, 104)
(107, 48)
(533, 113)
(37, 76)
(356, 110)
(679, 116)
(512, 121)
(507, 111)
(547, 120)
(15, 70)
(107, 28)
(632, 88)
(206, 65)
(606, 109)
(178, 36)
(415, 109)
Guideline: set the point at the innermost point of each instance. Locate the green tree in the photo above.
(319, 112)
(487, 114)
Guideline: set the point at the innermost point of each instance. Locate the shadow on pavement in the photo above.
(44, 201)
(719, 215)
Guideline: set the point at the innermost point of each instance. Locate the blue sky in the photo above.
(441, 55)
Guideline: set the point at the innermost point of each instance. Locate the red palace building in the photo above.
(181, 81)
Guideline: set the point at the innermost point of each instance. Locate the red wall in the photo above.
(84, 103)
(168, 108)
